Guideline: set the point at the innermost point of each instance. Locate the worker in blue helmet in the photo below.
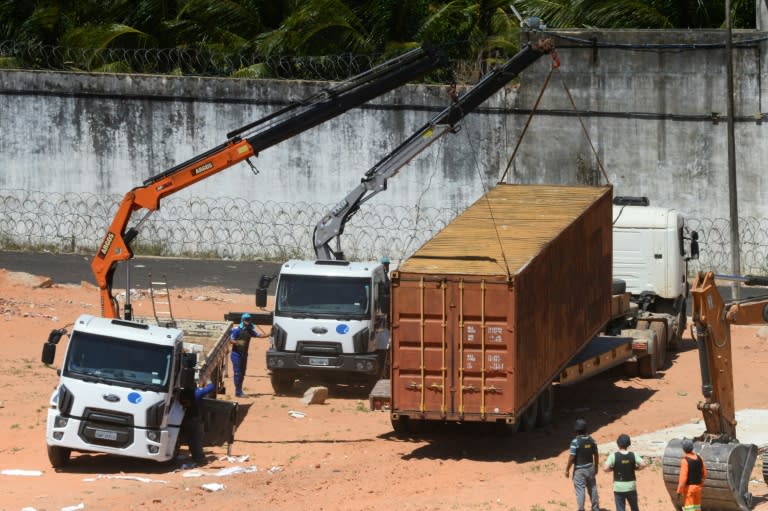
(240, 340)
(583, 457)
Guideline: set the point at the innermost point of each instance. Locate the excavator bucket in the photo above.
(729, 466)
(765, 467)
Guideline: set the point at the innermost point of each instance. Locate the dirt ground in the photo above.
(340, 455)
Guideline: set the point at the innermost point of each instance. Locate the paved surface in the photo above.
(751, 429)
(242, 276)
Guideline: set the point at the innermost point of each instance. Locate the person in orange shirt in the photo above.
(692, 476)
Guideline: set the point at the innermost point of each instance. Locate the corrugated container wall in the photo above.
(487, 313)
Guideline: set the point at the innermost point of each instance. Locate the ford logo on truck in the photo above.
(111, 398)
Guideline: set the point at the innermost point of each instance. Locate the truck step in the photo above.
(380, 397)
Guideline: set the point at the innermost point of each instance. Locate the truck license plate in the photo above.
(105, 435)
(315, 361)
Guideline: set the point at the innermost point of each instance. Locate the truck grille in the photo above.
(325, 349)
(105, 427)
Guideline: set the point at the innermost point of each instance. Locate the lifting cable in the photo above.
(584, 129)
(454, 97)
(555, 67)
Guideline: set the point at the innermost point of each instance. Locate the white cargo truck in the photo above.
(123, 383)
(330, 323)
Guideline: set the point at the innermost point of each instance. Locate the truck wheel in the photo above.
(646, 366)
(682, 324)
(58, 456)
(530, 416)
(660, 329)
(400, 425)
(502, 429)
(282, 384)
(546, 403)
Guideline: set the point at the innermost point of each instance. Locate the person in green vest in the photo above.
(623, 463)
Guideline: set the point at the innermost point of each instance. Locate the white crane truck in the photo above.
(124, 384)
(314, 342)
(336, 335)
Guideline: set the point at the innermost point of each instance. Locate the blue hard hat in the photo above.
(245, 316)
(384, 260)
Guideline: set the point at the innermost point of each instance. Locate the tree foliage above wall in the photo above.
(478, 30)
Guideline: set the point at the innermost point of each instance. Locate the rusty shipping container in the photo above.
(488, 312)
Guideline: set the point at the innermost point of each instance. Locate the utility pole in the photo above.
(732, 190)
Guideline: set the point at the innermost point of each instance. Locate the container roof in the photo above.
(503, 230)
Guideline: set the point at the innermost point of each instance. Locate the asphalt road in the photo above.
(75, 268)
(236, 275)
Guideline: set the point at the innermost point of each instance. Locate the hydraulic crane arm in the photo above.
(242, 144)
(331, 226)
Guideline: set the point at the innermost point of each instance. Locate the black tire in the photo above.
(400, 425)
(502, 429)
(765, 467)
(546, 403)
(618, 287)
(646, 366)
(530, 416)
(682, 324)
(282, 384)
(661, 344)
(58, 456)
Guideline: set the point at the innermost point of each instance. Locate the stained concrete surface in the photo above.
(751, 428)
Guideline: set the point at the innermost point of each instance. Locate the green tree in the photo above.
(638, 13)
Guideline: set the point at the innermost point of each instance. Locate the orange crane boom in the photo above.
(242, 144)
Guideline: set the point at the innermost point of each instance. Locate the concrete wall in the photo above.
(655, 111)
(653, 104)
(105, 134)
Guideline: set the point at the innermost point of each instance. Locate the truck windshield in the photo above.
(118, 361)
(305, 295)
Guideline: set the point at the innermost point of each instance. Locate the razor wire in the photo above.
(236, 228)
(184, 61)
(208, 63)
(222, 228)
(195, 62)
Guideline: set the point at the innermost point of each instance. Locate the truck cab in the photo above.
(649, 252)
(115, 394)
(330, 323)
(123, 390)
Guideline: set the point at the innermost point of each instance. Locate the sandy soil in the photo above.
(340, 456)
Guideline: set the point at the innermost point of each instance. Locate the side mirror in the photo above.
(261, 298)
(49, 353)
(187, 377)
(265, 281)
(261, 291)
(49, 348)
(694, 245)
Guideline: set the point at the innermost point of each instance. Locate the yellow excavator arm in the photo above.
(729, 463)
